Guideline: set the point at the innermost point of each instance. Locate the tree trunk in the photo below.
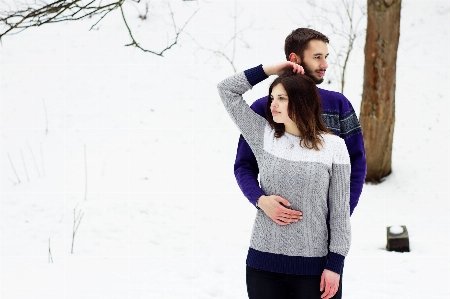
(378, 100)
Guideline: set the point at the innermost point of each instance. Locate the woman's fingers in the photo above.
(330, 291)
(329, 284)
(327, 294)
(322, 282)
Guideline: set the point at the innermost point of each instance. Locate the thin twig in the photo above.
(12, 165)
(24, 165)
(46, 117)
(85, 173)
(42, 160)
(50, 258)
(76, 224)
(34, 160)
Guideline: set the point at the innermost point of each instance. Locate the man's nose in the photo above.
(324, 64)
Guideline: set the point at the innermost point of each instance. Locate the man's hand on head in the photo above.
(282, 68)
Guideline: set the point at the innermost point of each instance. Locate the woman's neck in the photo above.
(292, 129)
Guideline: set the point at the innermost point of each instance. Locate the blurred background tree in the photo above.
(377, 115)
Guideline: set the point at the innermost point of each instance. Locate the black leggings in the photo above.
(270, 285)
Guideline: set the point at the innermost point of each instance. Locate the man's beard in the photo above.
(310, 73)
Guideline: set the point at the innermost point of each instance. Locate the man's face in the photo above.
(315, 60)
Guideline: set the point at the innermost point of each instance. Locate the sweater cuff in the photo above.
(335, 262)
(255, 75)
(255, 195)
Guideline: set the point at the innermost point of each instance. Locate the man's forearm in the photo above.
(355, 146)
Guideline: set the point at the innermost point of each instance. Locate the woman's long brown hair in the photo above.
(304, 108)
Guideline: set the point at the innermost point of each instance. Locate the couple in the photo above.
(306, 145)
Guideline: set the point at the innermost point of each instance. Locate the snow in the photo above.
(396, 230)
(163, 215)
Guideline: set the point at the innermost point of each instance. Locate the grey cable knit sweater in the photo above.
(314, 182)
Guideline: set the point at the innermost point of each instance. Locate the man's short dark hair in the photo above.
(297, 41)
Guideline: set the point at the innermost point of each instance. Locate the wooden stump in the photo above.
(397, 242)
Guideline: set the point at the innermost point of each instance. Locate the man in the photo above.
(308, 48)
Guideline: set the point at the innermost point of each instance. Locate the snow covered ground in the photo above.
(163, 216)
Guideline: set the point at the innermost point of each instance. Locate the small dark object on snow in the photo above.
(397, 242)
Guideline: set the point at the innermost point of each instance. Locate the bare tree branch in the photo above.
(35, 14)
(168, 47)
(76, 223)
(345, 24)
(224, 50)
(55, 12)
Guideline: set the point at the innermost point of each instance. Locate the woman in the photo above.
(301, 161)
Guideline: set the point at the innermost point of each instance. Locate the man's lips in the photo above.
(320, 73)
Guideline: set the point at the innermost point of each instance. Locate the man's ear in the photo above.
(294, 58)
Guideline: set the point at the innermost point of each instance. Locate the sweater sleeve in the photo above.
(355, 146)
(245, 166)
(338, 195)
(350, 129)
(249, 123)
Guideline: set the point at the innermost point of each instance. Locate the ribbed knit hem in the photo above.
(279, 263)
(335, 262)
(255, 75)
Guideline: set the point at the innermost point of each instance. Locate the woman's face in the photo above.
(279, 105)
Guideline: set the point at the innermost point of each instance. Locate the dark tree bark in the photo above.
(377, 116)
